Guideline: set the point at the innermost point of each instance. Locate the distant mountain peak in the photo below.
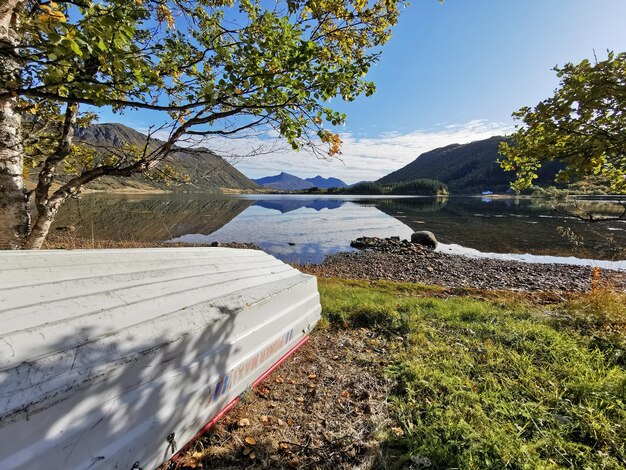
(289, 182)
(283, 181)
(326, 183)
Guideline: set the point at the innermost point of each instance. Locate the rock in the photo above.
(386, 259)
(66, 228)
(359, 243)
(216, 244)
(424, 238)
(386, 245)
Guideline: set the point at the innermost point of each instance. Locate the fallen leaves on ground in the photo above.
(322, 409)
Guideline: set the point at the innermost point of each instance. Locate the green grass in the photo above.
(499, 383)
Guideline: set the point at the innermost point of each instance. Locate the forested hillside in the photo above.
(466, 168)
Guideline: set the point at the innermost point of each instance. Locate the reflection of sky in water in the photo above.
(529, 258)
(316, 232)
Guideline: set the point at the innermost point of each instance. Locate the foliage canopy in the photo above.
(214, 67)
(583, 126)
(422, 186)
(206, 61)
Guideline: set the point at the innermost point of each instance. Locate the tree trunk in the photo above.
(47, 207)
(41, 227)
(14, 207)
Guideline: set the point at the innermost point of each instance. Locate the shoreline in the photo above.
(391, 259)
(402, 261)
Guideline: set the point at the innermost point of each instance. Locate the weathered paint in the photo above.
(104, 353)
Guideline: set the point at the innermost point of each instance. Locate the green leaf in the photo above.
(74, 47)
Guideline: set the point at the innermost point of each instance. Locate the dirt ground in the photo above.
(324, 408)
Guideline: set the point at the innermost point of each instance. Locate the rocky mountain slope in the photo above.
(466, 168)
(207, 171)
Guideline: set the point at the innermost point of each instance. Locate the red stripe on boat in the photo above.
(280, 361)
(231, 404)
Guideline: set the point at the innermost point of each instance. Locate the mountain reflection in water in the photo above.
(148, 217)
(285, 205)
(306, 228)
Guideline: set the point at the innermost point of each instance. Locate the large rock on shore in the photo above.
(424, 238)
(385, 245)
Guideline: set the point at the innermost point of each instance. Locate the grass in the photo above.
(496, 383)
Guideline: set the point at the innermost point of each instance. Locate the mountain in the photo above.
(284, 181)
(466, 168)
(207, 171)
(326, 183)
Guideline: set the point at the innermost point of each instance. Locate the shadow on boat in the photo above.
(105, 403)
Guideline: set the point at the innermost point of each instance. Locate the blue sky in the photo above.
(452, 72)
(482, 59)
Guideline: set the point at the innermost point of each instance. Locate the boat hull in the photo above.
(118, 356)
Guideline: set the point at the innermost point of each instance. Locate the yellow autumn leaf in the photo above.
(51, 14)
(192, 462)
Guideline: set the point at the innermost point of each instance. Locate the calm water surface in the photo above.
(307, 228)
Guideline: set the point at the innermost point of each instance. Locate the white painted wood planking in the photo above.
(104, 353)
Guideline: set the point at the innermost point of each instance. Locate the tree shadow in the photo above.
(99, 399)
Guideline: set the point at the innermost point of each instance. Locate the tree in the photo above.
(583, 126)
(213, 67)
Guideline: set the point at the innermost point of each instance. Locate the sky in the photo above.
(451, 73)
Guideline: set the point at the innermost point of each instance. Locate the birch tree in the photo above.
(211, 67)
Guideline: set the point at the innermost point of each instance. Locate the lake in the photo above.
(306, 228)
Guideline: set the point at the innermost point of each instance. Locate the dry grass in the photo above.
(325, 408)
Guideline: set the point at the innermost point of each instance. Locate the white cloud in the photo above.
(363, 158)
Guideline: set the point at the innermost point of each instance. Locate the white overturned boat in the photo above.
(110, 358)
